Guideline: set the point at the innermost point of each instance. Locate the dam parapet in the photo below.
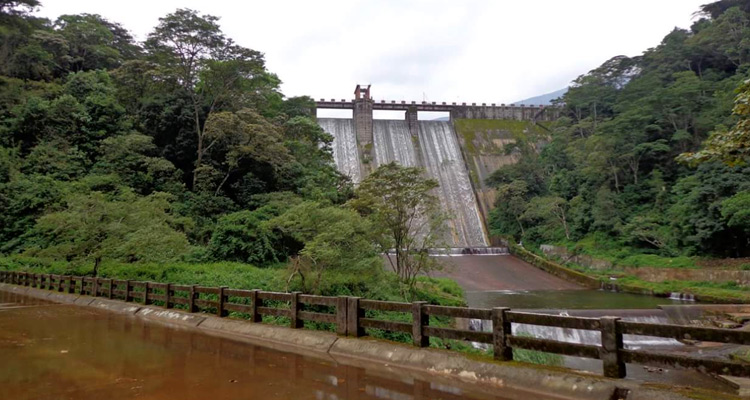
(522, 112)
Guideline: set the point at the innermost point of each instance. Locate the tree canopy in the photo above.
(178, 148)
(650, 152)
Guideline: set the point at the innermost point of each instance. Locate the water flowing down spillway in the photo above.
(436, 149)
(345, 151)
(442, 158)
(393, 142)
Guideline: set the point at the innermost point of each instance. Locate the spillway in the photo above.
(393, 142)
(345, 151)
(436, 149)
(442, 158)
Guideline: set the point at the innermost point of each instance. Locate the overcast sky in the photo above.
(474, 51)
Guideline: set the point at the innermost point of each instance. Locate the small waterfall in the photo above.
(345, 151)
(581, 336)
(681, 296)
(480, 325)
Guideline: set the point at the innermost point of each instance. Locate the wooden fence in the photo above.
(350, 317)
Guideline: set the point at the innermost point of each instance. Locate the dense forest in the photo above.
(619, 173)
(178, 149)
(179, 159)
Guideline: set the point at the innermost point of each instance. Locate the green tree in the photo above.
(736, 210)
(512, 201)
(403, 210)
(334, 240)
(550, 210)
(241, 140)
(93, 227)
(732, 146)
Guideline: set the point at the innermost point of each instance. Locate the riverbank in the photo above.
(614, 280)
(430, 364)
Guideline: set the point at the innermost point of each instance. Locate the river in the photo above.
(53, 351)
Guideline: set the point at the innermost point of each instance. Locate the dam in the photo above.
(363, 143)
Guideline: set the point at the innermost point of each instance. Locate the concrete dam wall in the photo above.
(459, 162)
(435, 148)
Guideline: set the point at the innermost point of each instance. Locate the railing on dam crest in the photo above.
(353, 316)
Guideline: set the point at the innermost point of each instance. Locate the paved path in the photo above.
(479, 273)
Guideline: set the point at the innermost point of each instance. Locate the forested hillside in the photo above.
(177, 149)
(610, 180)
(113, 149)
(178, 158)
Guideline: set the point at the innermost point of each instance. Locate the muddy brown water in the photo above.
(53, 351)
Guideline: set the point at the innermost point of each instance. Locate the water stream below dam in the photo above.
(435, 149)
(596, 304)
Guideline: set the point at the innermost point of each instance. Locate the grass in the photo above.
(375, 285)
(603, 247)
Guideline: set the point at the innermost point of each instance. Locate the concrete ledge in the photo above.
(114, 306)
(170, 316)
(84, 300)
(21, 289)
(67, 298)
(276, 337)
(446, 363)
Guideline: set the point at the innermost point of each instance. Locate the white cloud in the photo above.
(473, 50)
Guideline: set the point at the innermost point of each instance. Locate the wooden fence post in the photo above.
(191, 299)
(295, 322)
(353, 314)
(69, 284)
(254, 304)
(26, 279)
(95, 287)
(341, 309)
(83, 285)
(613, 365)
(127, 290)
(419, 320)
(168, 295)
(110, 293)
(501, 330)
(146, 288)
(222, 298)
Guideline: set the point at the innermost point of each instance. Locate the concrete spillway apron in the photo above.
(433, 365)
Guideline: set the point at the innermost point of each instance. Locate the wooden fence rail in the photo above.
(353, 316)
